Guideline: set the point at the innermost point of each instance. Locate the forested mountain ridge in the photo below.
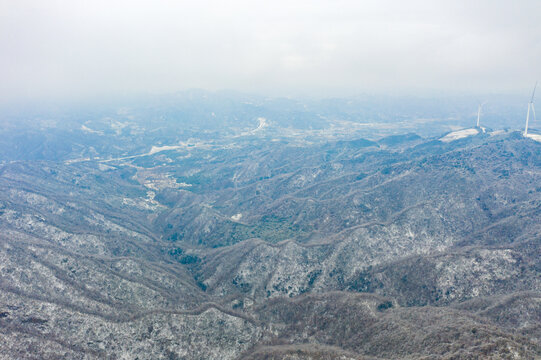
(271, 243)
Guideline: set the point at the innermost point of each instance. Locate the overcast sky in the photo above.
(308, 47)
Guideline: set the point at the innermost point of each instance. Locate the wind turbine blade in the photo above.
(534, 119)
(533, 92)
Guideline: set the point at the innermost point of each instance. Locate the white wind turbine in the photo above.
(479, 114)
(530, 106)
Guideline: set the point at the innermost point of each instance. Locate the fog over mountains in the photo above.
(221, 225)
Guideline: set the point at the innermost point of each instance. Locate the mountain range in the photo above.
(126, 236)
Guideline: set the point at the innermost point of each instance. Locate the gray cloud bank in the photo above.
(323, 48)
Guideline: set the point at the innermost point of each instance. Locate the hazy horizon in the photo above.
(77, 50)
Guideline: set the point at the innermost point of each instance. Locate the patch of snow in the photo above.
(88, 130)
(236, 217)
(73, 161)
(497, 132)
(460, 134)
(262, 124)
(157, 149)
(535, 137)
(103, 167)
(118, 126)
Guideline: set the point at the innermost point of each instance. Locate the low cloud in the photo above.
(78, 48)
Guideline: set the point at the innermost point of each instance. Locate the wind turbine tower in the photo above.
(479, 114)
(530, 106)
